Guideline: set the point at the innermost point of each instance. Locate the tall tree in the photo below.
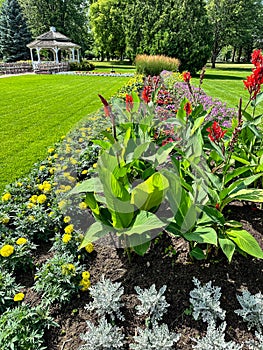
(68, 16)
(14, 34)
(176, 28)
(107, 26)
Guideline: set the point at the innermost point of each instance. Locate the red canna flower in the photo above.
(146, 94)
(216, 133)
(254, 81)
(129, 103)
(186, 76)
(188, 108)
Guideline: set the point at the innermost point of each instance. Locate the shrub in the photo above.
(82, 66)
(252, 309)
(104, 336)
(153, 65)
(205, 302)
(23, 328)
(106, 299)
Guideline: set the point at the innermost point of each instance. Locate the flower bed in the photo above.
(89, 184)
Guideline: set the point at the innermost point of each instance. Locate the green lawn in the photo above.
(36, 110)
(118, 67)
(226, 83)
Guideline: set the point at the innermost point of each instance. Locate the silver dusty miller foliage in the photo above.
(104, 336)
(106, 299)
(252, 309)
(205, 302)
(157, 338)
(256, 344)
(153, 303)
(215, 339)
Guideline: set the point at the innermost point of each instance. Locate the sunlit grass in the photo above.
(225, 82)
(36, 110)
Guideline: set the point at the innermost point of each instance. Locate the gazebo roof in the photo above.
(52, 39)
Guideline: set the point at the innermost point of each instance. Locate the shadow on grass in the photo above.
(223, 77)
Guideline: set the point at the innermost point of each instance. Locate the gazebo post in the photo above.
(78, 54)
(38, 54)
(56, 49)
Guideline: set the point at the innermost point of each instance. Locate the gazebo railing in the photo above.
(51, 67)
(15, 67)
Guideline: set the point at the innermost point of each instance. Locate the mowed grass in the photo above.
(225, 82)
(37, 110)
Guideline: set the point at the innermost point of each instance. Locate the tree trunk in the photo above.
(234, 54)
(239, 54)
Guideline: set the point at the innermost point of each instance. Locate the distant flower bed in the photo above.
(99, 74)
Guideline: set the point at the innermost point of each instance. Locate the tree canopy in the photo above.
(14, 34)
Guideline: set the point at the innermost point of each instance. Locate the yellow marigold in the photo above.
(6, 197)
(19, 297)
(89, 247)
(33, 198)
(84, 284)
(84, 172)
(45, 187)
(55, 156)
(31, 218)
(67, 219)
(19, 184)
(52, 170)
(69, 229)
(21, 241)
(41, 198)
(85, 275)
(81, 139)
(42, 167)
(30, 205)
(95, 165)
(66, 238)
(62, 137)
(62, 204)
(73, 161)
(83, 205)
(7, 250)
(51, 214)
(51, 150)
(68, 269)
(5, 220)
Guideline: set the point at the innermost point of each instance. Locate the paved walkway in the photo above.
(15, 75)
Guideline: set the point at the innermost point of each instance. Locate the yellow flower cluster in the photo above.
(68, 269)
(5, 220)
(6, 197)
(67, 219)
(21, 241)
(66, 238)
(45, 187)
(69, 229)
(85, 282)
(82, 205)
(7, 250)
(41, 198)
(89, 247)
(19, 297)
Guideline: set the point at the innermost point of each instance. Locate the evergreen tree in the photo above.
(14, 34)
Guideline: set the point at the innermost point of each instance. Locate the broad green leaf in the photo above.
(245, 241)
(90, 185)
(228, 247)
(163, 152)
(238, 185)
(197, 123)
(92, 203)
(139, 150)
(150, 193)
(103, 144)
(136, 101)
(211, 215)
(235, 173)
(94, 232)
(144, 222)
(142, 248)
(241, 160)
(233, 223)
(109, 136)
(258, 99)
(250, 194)
(197, 254)
(202, 235)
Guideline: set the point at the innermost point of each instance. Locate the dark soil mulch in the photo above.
(161, 266)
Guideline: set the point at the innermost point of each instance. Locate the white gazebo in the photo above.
(53, 41)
